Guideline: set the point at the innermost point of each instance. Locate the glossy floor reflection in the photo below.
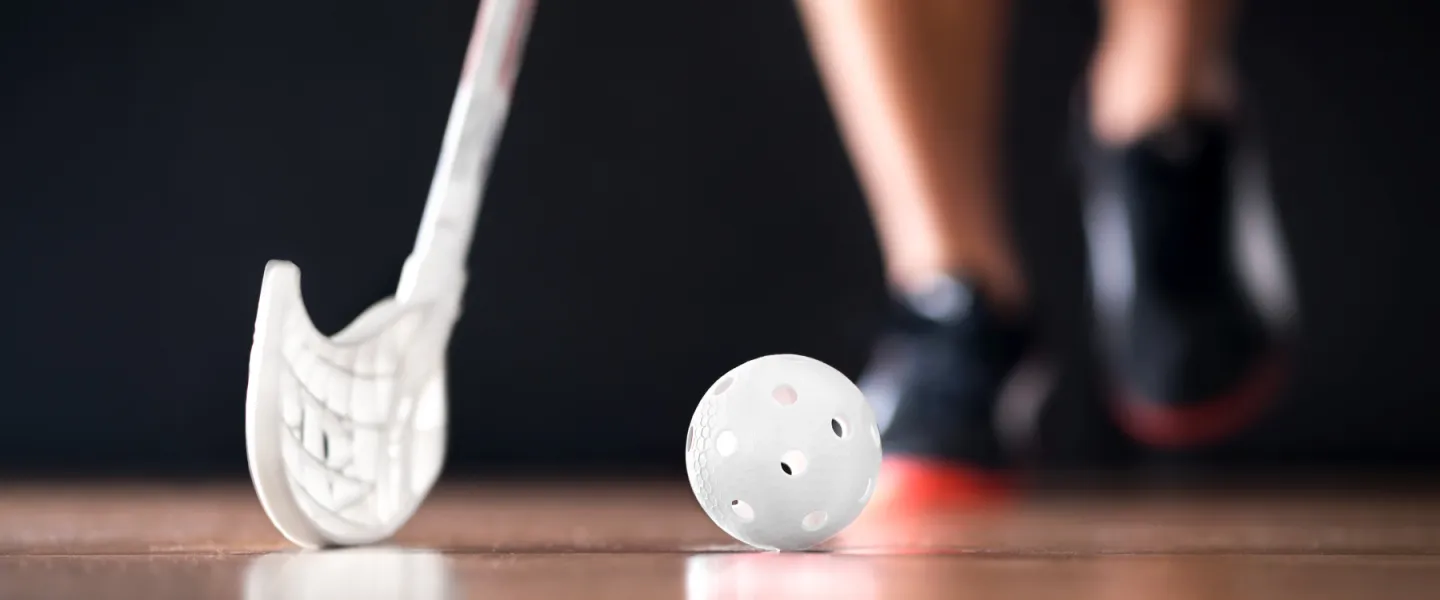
(359, 573)
(635, 541)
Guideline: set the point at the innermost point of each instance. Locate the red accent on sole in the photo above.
(910, 483)
(1168, 426)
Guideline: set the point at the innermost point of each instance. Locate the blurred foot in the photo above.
(935, 381)
(1193, 362)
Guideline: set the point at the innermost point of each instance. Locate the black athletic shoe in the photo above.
(935, 381)
(1192, 358)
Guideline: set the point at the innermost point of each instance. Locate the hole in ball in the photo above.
(794, 463)
(726, 443)
(784, 394)
(723, 385)
(838, 426)
(742, 510)
(814, 520)
(869, 489)
(875, 435)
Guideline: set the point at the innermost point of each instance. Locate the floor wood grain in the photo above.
(639, 540)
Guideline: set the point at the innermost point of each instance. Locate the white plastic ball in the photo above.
(783, 452)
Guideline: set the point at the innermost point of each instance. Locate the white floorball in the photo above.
(783, 452)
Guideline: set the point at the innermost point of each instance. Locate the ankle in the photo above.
(1135, 90)
(945, 297)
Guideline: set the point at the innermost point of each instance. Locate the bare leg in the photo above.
(1156, 58)
(916, 89)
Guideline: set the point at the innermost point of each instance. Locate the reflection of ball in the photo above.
(783, 452)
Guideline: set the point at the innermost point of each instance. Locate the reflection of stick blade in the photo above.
(354, 574)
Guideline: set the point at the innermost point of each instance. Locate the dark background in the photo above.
(670, 199)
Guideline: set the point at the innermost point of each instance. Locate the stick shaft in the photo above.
(477, 118)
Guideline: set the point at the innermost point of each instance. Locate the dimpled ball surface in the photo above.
(783, 452)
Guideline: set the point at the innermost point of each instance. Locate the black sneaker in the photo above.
(935, 382)
(1192, 358)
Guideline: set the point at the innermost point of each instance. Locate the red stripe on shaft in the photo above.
(511, 63)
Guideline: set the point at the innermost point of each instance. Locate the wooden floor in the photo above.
(636, 541)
